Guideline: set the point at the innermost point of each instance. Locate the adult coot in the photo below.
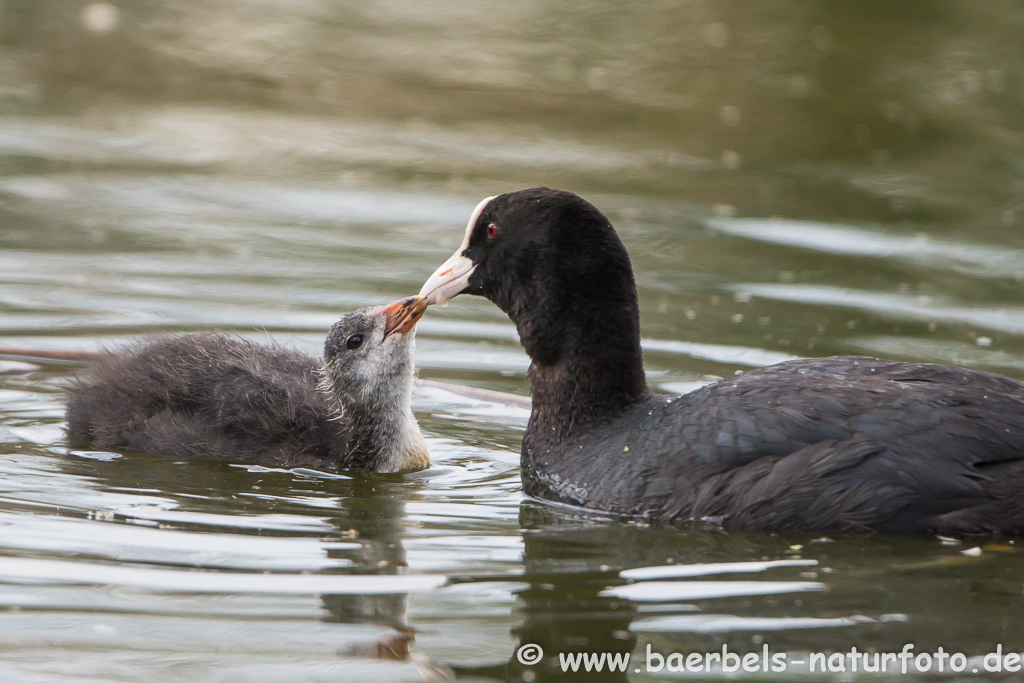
(213, 395)
(834, 444)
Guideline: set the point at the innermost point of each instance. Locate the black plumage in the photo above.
(219, 396)
(833, 444)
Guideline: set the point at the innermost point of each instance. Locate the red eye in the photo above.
(492, 231)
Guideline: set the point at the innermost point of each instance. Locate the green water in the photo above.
(791, 179)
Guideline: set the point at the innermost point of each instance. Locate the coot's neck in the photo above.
(380, 431)
(387, 436)
(584, 341)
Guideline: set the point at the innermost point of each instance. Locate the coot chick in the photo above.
(831, 444)
(214, 395)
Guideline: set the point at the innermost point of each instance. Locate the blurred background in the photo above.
(790, 178)
(919, 102)
(886, 136)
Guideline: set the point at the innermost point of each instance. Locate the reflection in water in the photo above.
(563, 609)
(373, 514)
(364, 559)
(579, 600)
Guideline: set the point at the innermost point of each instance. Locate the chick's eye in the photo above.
(354, 342)
(492, 231)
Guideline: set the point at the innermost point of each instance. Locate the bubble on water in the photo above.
(99, 17)
(731, 115)
(716, 35)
